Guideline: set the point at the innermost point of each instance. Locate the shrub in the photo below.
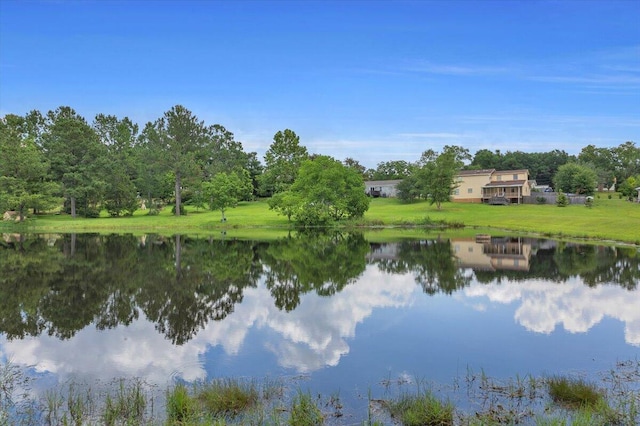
(182, 210)
(541, 200)
(562, 200)
(588, 202)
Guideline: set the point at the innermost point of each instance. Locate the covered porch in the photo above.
(502, 193)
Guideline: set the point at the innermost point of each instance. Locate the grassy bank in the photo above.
(613, 398)
(609, 219)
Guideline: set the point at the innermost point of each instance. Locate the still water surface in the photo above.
(335, 313)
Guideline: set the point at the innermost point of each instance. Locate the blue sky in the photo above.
(373, 80)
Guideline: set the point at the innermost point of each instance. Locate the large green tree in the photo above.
(177, 142)
(576, 178)
(436, 178)
(23, 169)
(119, 136)
(76, 157)
(326, 190)
(282, 162)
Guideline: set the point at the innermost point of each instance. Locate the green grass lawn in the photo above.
(609, 219)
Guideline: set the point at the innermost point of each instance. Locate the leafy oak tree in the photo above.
(324, 191)
(436, 176)
(575, 178)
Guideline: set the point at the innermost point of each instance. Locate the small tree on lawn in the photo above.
(562, 200)
(224, 190)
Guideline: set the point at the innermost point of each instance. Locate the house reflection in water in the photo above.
(486, 253)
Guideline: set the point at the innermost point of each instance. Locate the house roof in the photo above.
(476, 172)
(511, 172)
(499, 183)
(382, 182)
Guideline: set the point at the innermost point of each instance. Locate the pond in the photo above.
(330, 313)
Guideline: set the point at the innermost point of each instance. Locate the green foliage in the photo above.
(324, 191)
(282, 162)
(286, 203)
(409, 189)
(575, 178)
(176, 142)
(628, 187)
(588, 202)
(422, 409)
(573, 393)
(304, 411)
(542, 166)
(23, 170)
(77, 158)
(387, 170)
(436, 176)
(181, 406)
(225, 190)
(227, 396)
(562, 200)
(541, 200)
(127, 406)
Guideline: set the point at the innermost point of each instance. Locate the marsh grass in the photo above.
(127, 405)
(227, 397)
(421, 409)
(574, 392)
(305, 411)
(476, 399)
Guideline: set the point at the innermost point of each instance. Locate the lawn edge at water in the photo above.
(609, 220)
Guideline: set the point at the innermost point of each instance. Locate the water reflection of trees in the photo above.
(431, 261)
(320, 262)
(60, 284)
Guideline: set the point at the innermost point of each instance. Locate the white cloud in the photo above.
(543, 306)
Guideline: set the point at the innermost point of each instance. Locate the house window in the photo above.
(470, 191)
(499, 177)
(515, 177)
(456, 192)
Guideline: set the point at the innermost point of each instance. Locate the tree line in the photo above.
(113, 164)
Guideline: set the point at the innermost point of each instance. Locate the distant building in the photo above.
(474, 186)
(492, 186)
(382, 188)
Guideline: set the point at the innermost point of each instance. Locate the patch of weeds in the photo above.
(574, 393)
(227, 397)
(182, 408)
(422, 409)
(304, 411)
(127, 406)
(550, 421)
